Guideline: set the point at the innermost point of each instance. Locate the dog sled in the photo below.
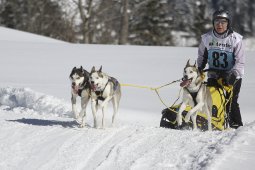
(219, 115)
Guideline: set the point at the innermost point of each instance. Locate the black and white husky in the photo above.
(195, 94)
(103, 90)
(80, 87)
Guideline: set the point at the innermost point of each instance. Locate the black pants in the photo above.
(235, 119)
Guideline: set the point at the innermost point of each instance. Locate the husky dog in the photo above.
(195, 94)
(80, 87)
(103, 90)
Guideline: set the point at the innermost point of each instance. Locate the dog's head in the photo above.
(190, 75)
(78, 78)
(98, 79)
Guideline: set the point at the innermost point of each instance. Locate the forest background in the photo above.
(133, 22)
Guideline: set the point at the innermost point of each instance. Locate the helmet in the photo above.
(222, 14)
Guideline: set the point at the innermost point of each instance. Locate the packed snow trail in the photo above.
(37, 132)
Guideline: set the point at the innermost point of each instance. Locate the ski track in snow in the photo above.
(50, 139)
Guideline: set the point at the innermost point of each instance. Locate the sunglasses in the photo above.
(220, 21)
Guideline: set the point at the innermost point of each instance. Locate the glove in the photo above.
(230, 78)
(200, 70)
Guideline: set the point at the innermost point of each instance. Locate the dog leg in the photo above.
(193, 110)
(106, 100)
(84, 103)
(74, 108)
(115, 104)
(194, 121)
(94, 110)
(179, 115)
(104, 108)
(209, 118)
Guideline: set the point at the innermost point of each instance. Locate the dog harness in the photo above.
(115, 86)
(194, 94)
(85, 85)
(100, 93)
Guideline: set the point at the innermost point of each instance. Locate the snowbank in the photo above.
(26, 100)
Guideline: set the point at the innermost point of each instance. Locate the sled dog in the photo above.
(195, 94)
(80, 87)
(103, 90)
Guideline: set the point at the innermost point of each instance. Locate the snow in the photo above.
(11, 35)
(249, 44)
(37, 130)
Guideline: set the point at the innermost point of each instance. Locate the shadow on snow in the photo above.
(41, 122)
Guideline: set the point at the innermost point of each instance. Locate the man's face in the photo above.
(220, 25)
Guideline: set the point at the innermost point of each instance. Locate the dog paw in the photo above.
(81, 125)
(196, 129)
(179, 120)
(210, 128)
(113, 125)
(187, 118)
(79, 120)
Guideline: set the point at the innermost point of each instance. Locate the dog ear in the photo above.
(195, 65)
(188, 64)
(93, 69)
(82, 70)
(100, 70)
(72, 71)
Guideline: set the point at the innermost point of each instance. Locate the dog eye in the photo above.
(78, 78)
(191, 71)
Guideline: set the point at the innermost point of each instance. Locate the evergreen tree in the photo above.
(147, 22)
(43, 17)
(105, 26)
(201, 23)
(151, 24)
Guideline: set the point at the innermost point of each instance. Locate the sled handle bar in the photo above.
(214, 70)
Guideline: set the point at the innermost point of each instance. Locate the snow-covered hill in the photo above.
(37, 130)
(11, 35)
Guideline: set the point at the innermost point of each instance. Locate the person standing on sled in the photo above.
(222, 49)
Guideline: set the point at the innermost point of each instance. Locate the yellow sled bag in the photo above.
(219, 115)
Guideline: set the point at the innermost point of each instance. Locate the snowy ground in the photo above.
(37, 130)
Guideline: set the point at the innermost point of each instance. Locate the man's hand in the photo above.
(230, 78)
(200, 70)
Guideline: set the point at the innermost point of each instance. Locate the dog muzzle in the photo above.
(94, 87)
(185, 82)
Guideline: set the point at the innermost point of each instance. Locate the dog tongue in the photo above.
(93, 87)
(185, 83)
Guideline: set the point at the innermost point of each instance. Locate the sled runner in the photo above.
(219, 115)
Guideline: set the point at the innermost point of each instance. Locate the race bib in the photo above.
(220, 60)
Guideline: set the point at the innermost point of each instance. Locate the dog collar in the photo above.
(99, 93)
